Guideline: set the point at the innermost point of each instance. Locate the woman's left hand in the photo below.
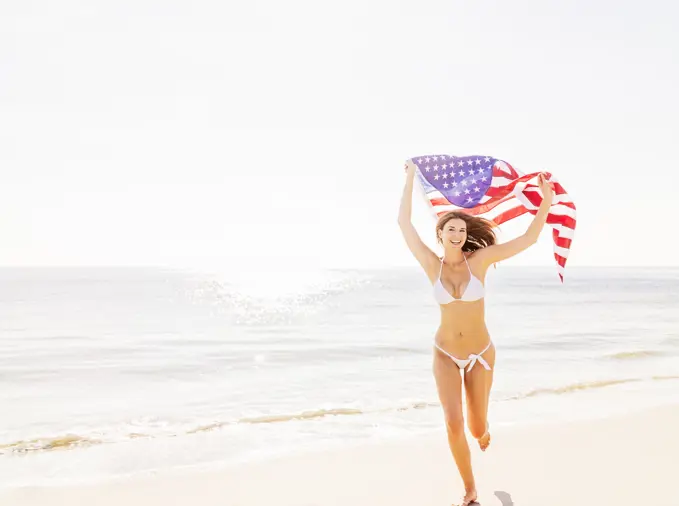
(545, 186)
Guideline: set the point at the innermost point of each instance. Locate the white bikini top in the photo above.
(474, 291)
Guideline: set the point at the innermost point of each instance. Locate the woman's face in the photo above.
(454, 233)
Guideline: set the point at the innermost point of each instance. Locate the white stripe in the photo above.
(435, 195)
(558, 199)
(445, 209)
(500, 181)
(561, 251)
(501, 208)
(563, 211)
(565, 232)
(518, 192)
(555, 208)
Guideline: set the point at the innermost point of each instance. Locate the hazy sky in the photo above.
(179, 133)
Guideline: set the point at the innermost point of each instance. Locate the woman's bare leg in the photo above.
(449, 386)
(478, 383)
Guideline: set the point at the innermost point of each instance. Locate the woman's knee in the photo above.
(477, 427)
(455, 425)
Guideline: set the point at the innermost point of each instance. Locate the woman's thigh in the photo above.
(449, 386)
(477, 383)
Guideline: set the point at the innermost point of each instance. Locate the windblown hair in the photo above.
(480, 231)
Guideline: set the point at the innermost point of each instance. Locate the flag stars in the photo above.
(445, 176)
(445, 185)
(461, 173)
(454, 184)
(428, 159)
(477, 189)
(428, 168)
(469, 199)
(473, 181)
(480, 171)
(469, 162)
(457, 194)
(452, 174)
(466, 191)
(484, 179)
(436, 177)
(444, 166)
(460, 163)
(486, 159)
(478, 162)
(464, 183)
(436, 167)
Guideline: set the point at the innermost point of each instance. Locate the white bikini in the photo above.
(474, 291)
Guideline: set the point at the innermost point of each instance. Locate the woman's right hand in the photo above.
(410, 167)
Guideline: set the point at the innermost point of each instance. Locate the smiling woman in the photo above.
(470, 247)
(475, 233)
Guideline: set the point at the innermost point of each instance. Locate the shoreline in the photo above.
(618, 459)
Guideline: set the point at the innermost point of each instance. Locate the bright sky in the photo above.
(203, 132)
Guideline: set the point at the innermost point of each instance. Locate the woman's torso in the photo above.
(463, 327)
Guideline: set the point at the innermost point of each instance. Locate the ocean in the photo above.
(111, 372)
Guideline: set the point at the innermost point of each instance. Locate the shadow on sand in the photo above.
(504, 497)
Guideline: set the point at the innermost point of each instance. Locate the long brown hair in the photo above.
(480, 231)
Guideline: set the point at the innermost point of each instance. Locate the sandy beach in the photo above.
(623, 460)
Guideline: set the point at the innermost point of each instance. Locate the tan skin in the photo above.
(462, 329)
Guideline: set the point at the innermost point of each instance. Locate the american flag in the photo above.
(491, 188)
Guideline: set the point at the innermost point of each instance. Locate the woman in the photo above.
(462, 342)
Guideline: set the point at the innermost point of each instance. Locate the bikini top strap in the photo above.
(441, 268)
(465, 260)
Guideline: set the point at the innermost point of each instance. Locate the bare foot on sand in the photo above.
(484, 441)
(469, 498)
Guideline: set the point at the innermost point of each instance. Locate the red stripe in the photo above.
(536, 199)
(558, 189)
(561, 242)
(488, 206)
(566, 221)
(557, 219)
(510, 186)
(552, 219)
(533, 197)
(497, 171)
(560, 260)
(510, 214)
(513, 171)
(440, 202)
(498, 191)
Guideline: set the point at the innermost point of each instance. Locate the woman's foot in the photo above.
(484, 441)
(469, 498)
